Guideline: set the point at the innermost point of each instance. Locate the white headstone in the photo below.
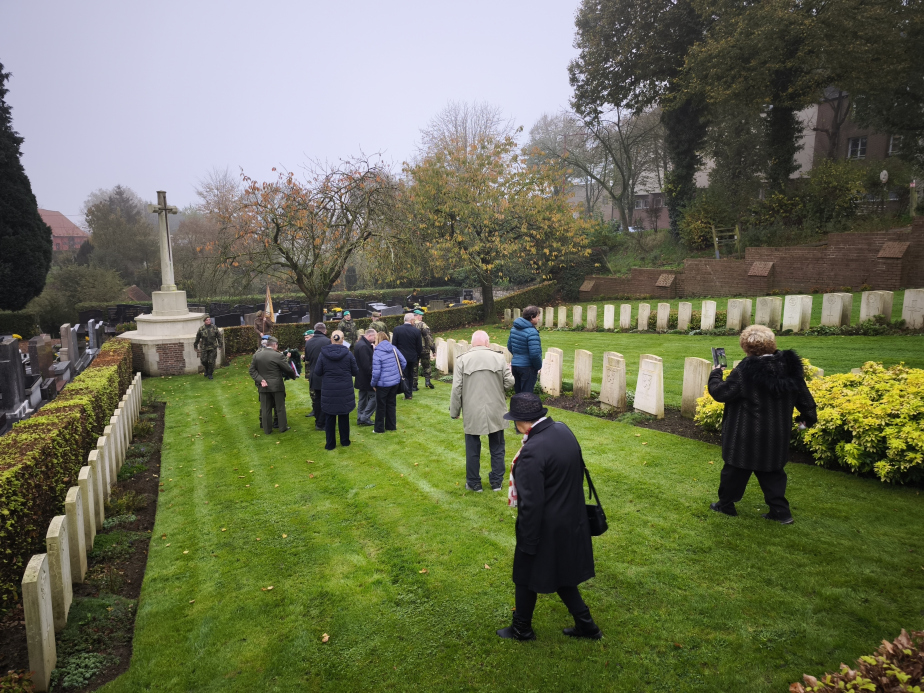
(73, 508)
(87, 488)
(649, 389)
(913, 309)
(451, 354)
(516, 313)
(792, 313)
(847, 305)
(684, 316)
(613, 388)
(550, 376)
(625, 316)
(874, 303)
(562, 317)
(695, 378)
(733, 314)
(578, 316)
(462, 347)
(806, 322)
(609, 317)
(99, 496)
(832, 310)
(40, 626)
(591, 318)
(644, 314)
(59, 570)
(664, 317)
(769, 312)
(508, 357)
(583, 371)
(549, 317)
(103, 453)
(707, 316)
(746, 312)
(508, 317)
(442, 364)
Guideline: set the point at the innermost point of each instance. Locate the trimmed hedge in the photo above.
(244, 340)
(41, 457)
(24, 323)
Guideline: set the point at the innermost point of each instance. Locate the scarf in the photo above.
(512, 491)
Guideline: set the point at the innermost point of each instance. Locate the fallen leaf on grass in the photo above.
(644, 443)
(276, 486)
(166, 544)
(251, 471)
(638, 435)
(487, 567)
(278, 441)
(192, 601)
(187, 551)
(424, 570)
(325, 637)
(163, 536)
(266, 589)
(415, 464)
(311, 476)
(284, 536)
(258, 538)
(242, 476)
(224, 529)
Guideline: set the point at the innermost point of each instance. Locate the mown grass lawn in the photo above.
(688, 600)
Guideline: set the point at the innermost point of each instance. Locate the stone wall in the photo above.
(886, 260)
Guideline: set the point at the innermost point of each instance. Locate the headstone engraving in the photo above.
(832, 310)
(73, 508)
(684, 316)
(874, 303)
(769, 312)
(59, 570)
(88, 495)
(649, 389)
(583, 370)
(792, 313)
(664, 315)
(40, 627)
(609, 317)
(625, 316)
(644, 315)
(549, 317)
(913, 309)
(707, 316)
(695, 378)
(613, 388)
(562, 317)
(591, 318)
(733, 314)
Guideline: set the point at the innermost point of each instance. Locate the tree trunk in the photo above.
(684, 134)
(783, 130)
(487, 301)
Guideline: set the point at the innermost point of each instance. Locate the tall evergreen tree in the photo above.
(25, 240)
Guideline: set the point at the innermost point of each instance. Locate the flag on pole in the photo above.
(268, 311)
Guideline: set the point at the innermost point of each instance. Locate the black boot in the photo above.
(519, 629)
(414, 389)
(584, 627)
(429, 384)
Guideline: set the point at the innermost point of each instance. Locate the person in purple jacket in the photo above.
(388, 366)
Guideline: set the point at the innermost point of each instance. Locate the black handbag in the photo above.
(405, 389)
(596, 518)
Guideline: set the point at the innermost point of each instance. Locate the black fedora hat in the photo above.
(525, 406)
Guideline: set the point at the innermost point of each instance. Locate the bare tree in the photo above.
(463, 123)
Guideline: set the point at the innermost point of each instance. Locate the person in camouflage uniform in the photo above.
(429, 349)
(348, 327)
(377, 324)
(210, 337)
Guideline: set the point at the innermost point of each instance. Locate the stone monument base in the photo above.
(163, 342)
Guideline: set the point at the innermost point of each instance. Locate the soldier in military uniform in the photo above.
(429, 349)
(348, 327)
(210, 337)
(269, 370)
(377, 324)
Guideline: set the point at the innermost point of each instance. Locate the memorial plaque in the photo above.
(684, 316)
(609, 317)
(695, 378)
(649, 389)
(625, 316)
(707, 316)
(644, 315)
(583, 371)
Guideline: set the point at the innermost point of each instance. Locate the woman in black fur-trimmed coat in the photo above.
(759, 396)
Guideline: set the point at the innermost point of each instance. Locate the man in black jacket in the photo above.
(362, 352)
(318, 341)
(408, 341)
(759, 396)
(553, 551)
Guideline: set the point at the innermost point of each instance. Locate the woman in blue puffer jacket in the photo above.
(386, 378)
(525, 345)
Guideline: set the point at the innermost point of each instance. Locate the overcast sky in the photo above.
(154, 95)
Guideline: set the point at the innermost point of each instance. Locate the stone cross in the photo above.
(162, 209)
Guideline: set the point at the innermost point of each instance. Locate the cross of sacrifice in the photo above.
(162, 209)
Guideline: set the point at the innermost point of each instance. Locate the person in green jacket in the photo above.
(348, 327)
(269, 370)
(209, 337)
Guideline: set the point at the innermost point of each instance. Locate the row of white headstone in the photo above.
(793, 313)
(47, 589)
(448, 350)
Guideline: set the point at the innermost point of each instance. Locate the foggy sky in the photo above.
(154, 95)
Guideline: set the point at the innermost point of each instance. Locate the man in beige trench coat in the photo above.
(479, 380)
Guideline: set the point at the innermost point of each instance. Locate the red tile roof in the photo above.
(60, 225)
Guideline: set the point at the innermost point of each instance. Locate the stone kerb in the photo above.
(707, 316)
(59, 569)
(734, 313)
(625, 316)
(577, 316)
(591, 319)
(613, 388)
(649, 389)
(664, 317)
(695, 378)
(609, 317)
(562, 317)
(644, 314)
(99, 508)
(39, 614)
(684, 316)
(550, 376)
(73, 509)
(913, 309)
(769, 312)
(88, 497)
(583, 369)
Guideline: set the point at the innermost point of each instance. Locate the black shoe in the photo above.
(429, 384)
(415, 388)
(365, 423)
(409, 397)
(497, 488)
(469, 487)
(319, 428)
(584, 627)
(210, 376)
(519, 629)
(283, 430)
(275, 424)
(783, 521)
(309, 414)
(731, 512)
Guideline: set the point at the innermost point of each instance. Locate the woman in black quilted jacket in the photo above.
(759, 396)
(337, 366)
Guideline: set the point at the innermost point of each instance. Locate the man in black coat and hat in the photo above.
(318, 341)
(553, 551)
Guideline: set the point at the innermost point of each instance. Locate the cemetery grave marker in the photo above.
(806, 321)
(695, 378)
(550, 376)
(93, 460)
(873, 303)
(549, 317)
(451, 355)
(664, 316)
(578, 316)
(609, 317)
(684, 316)
(591, 319)
(73, 509)
(613, 388)
(583, 369)
(442, 364)
(39, 614)
(913, 309)
(733, 314)
(59, 570)
(87, 496)
(746, 312)
(707, 316)
(649, 389)
(832, 310)
(625, 316)
(769, 312)
(562, 317)
(792, 313)
(644, 314)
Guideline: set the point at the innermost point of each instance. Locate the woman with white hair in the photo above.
(759, 396)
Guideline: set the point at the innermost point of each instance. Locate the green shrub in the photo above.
(833, 190)
(24, 323)
(706, 211)
(143, 429)
(896, 667)
(125, 502)
(41, 457)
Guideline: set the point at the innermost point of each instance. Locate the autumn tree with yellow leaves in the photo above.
(482, 206)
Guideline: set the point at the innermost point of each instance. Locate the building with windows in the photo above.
(65, 234)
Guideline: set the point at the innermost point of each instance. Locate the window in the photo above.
(895, 145)
(641, 203)
(658, 201)
(856, 148)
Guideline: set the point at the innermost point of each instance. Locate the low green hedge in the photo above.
(41, 457)
(24, 323)
(244, 340)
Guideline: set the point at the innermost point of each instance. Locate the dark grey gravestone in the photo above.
(12, 376)
(49, 389)
(41, 356)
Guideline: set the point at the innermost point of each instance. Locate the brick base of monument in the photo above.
(169, 356)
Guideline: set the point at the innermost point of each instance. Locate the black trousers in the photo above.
(386, 412)
(268, 402)
(410, 375)
(524, 379)
(526, 601)
(332, 422)
(320, 420)
(734, 480)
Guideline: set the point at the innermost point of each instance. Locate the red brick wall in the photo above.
(170, 359)
(137, 358)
